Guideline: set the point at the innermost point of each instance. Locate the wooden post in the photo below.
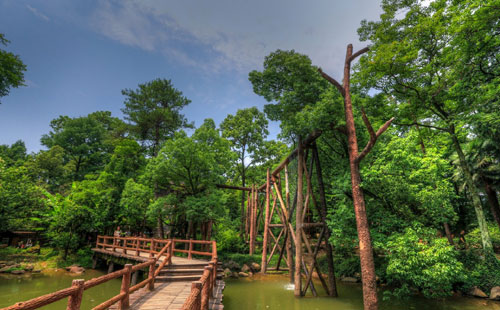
(134, 278)
(171, 251)
(152, 248)
(190, 249)
(75, 300)
(94, 261)
(114, 244)
(298, 221)
(151, 275)
(137, 247)
(263, 265)
(111, 267)
(205, 292)
(124, 303)
(194, 286)
(288, 243)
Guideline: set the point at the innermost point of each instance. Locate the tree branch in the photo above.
(373, 136)
(423, 125)
(360, 52)
(332, 81)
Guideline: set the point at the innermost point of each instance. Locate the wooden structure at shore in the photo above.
(292, 219)
(197, 287)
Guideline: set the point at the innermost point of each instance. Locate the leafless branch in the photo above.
(360, 52)
(373, 137)
(332, 81)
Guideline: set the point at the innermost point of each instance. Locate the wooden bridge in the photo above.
(173, 282)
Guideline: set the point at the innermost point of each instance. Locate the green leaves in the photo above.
(11, 69)
(417, 259)
(154, 112)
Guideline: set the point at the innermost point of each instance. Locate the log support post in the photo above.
(190, 255)
(124, 303)
(75, 300)
(205, 292)
(111, 267)
(196, 285)
(171, 251)
(267, 219)
(151, 275)
(298, 221)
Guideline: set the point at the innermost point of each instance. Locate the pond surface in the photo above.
(24, 287)
(258, 292)
(275, 292)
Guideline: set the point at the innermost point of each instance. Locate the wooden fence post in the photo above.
(152, 248)
(124, 303)
(205, 291)
(114, 244)
(171, 251)
(190, 248)
(75, 300)
(137, 247)
(151, 275)
(197, 285)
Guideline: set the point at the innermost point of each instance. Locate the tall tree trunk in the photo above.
(298, 221)
(492, 200)
(322, 207)
(448, 233)
(368, 276)
(243, 180)
(474, 193)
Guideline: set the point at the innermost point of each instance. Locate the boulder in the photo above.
(17, 271)
(245, 268)
(495, 293)
(255, 267)
(235, 275)
(476, 292)
(242, 274)
(231, 264)
(349, 279)
(227, 272)
(29, 267)
(36, 271)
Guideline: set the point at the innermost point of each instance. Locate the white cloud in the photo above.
(37, 13)
(236, 34)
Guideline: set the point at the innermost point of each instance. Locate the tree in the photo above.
(85, 141)
(154, 112)
(134, 203)
(246, 130)
(370, 299)
(413, 59)
(21, 203)
(15, 154)
(292, 83)
(11, 69)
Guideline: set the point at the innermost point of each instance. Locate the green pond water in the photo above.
(21, 288)
(274, 292)
(258, 292)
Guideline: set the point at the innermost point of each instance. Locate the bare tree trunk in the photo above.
(492, 200)
(298, 222)
(368, 276)
(448, 233)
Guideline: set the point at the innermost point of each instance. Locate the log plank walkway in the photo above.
(172, 282)
(170, 295)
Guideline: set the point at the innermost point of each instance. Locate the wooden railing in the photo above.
(155, 249)
(202, 289)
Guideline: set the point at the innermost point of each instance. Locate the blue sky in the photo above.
(81, 54)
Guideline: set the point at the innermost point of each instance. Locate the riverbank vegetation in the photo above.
(430, 182)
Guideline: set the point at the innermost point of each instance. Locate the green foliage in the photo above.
(290, 81)
(14, 154)
(154, 112)
(473, 238)
(11, 69)
(134, 204)
(228, 239)
(482, 270)
(419, 260)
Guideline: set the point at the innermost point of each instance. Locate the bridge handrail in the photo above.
(202, 289)
(78, 286)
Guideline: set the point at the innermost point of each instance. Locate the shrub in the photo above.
(417, 260)
(473, 238)
(483, 271)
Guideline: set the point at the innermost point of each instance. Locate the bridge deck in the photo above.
(166, 295)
